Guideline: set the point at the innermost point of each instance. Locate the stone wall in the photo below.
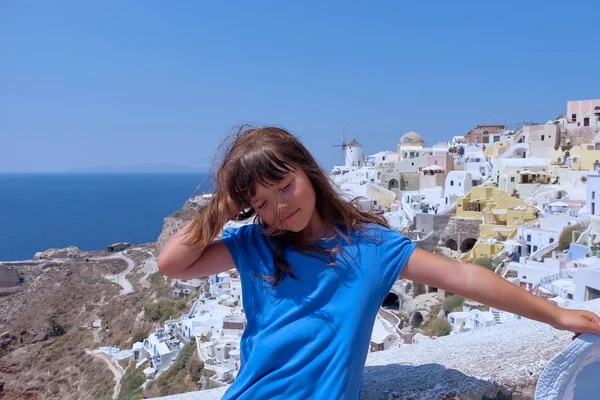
(9, 277)
(579, 136)
(460, 229)
(432, 239)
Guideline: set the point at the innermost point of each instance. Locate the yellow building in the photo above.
(500, 215)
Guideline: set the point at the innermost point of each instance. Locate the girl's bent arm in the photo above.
(480, 284)
(180, 261)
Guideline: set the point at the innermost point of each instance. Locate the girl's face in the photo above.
(288, 204)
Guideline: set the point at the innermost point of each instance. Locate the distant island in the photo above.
(144, 168)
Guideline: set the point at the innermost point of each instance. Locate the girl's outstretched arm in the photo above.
(480, 284)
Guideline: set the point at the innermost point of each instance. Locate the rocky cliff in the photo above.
(177, 220)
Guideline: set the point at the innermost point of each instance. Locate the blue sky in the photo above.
(94, 83)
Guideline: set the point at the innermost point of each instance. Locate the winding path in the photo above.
(119, 278)
(117, 372)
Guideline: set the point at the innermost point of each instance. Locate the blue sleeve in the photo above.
(394, 251)
(240, 241)
(233, 239)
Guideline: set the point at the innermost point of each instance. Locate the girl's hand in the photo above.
(577, 321)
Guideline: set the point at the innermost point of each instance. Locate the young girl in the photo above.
(315, 270)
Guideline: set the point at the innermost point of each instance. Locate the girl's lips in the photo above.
(292, 215)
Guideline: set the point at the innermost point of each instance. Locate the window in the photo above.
(573, 117)
(486, 139)
(512, 178)
(435, 162)
(451, 183)
(593, 195)
(446, 200)
(515, 220)
(383, 158)
(534, 249)
(586, 121)
(543, 137)
(529, 238)
(496, 138)
(375, 202)
(524, 277)
(458, 183)
(591, 293)
(551, 240)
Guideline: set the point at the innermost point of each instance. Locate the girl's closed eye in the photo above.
(262, 205)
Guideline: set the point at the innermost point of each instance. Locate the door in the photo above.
(586, 121)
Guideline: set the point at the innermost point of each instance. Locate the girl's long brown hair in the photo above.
(265, 156)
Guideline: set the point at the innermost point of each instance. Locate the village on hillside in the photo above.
(519, 200)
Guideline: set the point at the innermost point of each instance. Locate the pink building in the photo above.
(582, 113)
(444, 160)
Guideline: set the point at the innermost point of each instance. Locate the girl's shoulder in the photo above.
(373, 234)
(244, 230)
(377, 231)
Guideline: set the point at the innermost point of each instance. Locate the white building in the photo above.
(458, 184)
(353, 155)
(587, 284)
(161, 348)
(383, 157)
(525, 175)
(542, 232)
(466, 321)
(531, 273)
(412, 158)
(593, 193)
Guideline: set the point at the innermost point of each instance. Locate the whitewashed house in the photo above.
(592, 203)
(525, 175)
(466, 321)
(587, 284)
(458, 184)
(531, 273)
(161, 349)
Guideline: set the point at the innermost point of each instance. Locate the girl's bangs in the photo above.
(262, 166)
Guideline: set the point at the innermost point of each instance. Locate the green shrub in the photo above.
(55, 329)
(441, 327)
(486, 262)
(139, 337)
(564, 241)
(453, 303)
(132, 381)
(174, 379)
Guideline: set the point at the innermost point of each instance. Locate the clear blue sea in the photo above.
(90, 211)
